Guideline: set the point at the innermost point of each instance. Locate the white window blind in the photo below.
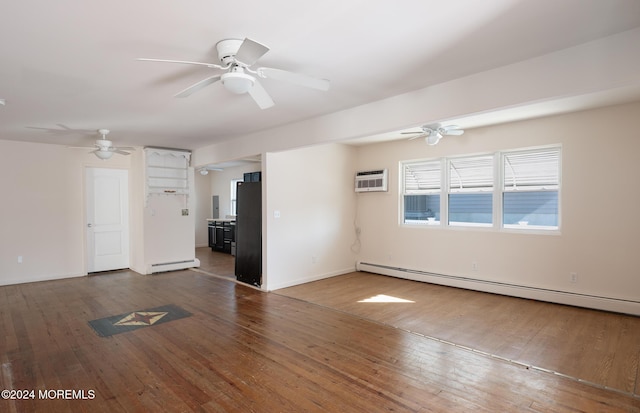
(532, 170)
(474, 174)
(422, 177)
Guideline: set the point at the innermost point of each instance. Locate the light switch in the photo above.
(276, 214)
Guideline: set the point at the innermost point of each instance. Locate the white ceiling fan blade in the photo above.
(197, 86)
(120, 152)
(451, 130)
(260, 95)
(250, 51)
(185, 62)
(418, 134)
(65, 130)
(295, 78)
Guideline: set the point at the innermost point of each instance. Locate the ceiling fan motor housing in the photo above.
(227, 50)
(103, 144)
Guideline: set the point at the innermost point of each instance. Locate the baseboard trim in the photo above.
(34, 279)
(560, 297)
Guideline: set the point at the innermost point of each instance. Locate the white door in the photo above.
(107, 195)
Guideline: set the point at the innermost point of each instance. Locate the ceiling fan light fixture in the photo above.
(104, 155)
(433, 138)
(204, 172)
(237, 82)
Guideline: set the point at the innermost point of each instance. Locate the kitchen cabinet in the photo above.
(222, 235)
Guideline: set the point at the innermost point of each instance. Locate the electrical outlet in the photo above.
(474, 265)
(573, 277)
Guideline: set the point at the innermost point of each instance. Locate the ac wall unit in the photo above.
(371, 181)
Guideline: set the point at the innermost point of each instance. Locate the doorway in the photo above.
(107, 219)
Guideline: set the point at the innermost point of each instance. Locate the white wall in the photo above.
(202, 208)
(168, 235)
(600, 224)
(221, 185)
(136, 205)
(42, 214)
(313, 191)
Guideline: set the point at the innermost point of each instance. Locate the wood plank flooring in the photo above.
(595, 346)
(251, 351)
(215, 262)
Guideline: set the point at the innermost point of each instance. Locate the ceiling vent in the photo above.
(371, 181)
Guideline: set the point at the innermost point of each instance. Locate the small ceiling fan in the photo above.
(104, 148)
(205, 170)
(433, 133)
(236, 58)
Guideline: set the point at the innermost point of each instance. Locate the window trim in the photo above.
(233, 196)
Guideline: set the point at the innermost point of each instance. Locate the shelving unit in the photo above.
(167, 172)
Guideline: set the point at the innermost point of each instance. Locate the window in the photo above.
(530, 192)
(234, 185)
(512, 189)
(471, 191)
(421, 198)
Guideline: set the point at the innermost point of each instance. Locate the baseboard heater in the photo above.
(172, 266)
(561, 297)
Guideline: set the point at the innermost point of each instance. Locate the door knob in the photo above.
(89, 225)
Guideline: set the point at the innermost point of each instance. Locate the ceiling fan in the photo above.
(205, 170)
(236, 58)
(433, 133)
(104, 148)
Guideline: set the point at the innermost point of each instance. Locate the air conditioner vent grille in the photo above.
(371, 181)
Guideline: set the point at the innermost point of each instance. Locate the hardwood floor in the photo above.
(246, 350)
(215, 262)
(598, 347)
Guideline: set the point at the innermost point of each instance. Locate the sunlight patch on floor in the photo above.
(382, 298)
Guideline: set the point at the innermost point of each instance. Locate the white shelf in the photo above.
(166, 172)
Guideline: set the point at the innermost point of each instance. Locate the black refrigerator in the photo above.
(249, 233)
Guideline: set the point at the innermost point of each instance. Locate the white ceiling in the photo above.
(68, 68)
